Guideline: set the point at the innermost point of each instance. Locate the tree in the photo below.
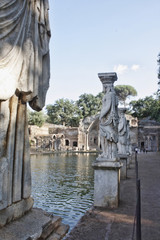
(147, 107)
(36, 118)
(124, 91)
(63, 112)
(89, 104)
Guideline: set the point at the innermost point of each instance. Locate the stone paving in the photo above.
(117, 224)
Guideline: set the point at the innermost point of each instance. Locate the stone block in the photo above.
(35, 225)
(54, 236)
(15, 211)
(60, 232)
(53, 224)
(106, 184)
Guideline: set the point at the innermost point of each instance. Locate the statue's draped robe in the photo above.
(24, 77)
(108, 125)
(122, 133)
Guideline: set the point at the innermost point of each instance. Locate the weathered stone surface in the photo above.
(15, 211)
(129, 146)
(54, 236)
(106, 184)
(60, 232)
(108, 120)
(62, 229)
(25, 73)
(122, 132)
(56, 221)
(107, 167)
(35, 225)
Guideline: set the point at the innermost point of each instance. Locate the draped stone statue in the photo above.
(24, 77)
(108, 120)
(122, 131)
(129, 145)
(107, 165)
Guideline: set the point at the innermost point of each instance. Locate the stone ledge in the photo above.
(106, 165)
(15, 211)
(59, 233)
(35, 225)
(123, 156)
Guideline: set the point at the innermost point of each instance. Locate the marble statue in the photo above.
(108, 120)
(129, 145)
(24, 78)
(122, 132)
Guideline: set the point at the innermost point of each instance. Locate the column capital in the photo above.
(108, 78)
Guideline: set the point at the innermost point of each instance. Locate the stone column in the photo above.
(122, 142)
(107, 167)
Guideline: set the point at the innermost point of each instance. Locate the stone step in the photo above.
(50, 227)
(59, 233)
(35, 225)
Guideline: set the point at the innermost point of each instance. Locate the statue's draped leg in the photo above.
(4, 121)
(21, 166)
(11, 135)
(15, 172)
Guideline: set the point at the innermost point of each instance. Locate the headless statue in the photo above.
(24, 77)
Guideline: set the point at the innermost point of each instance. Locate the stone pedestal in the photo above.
(123, 160)
(106, 183)
(15, 211)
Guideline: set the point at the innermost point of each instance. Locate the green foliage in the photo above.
(69, 113)
(36, 118)
(89, 104)
(147, 107)
(64, 112)
(124, 91)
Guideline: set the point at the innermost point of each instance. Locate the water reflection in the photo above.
(63, 184)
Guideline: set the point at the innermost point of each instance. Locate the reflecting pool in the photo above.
(63, 184)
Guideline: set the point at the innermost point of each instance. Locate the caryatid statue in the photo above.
(24, 77)
(129, 145)
(122, 131)
(108, 120)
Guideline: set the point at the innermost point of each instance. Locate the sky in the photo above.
(95, 36)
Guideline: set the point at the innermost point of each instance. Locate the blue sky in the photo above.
(93, 36)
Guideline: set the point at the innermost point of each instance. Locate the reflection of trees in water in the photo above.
(66, 183)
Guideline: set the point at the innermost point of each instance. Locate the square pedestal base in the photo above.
(15, 211)
(106, 184)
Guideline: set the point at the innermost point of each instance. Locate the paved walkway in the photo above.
(118, 224)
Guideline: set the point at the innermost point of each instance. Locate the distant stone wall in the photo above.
(54, 137)
(134, 137)
(133, 122)
(85, 137)
(149, 135)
